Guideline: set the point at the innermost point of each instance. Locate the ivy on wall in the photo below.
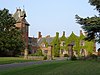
(61, 43)
(56, 45)
(63, 40)
(45, 42)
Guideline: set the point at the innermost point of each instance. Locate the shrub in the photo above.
(93, 56)
(66, 55)
(73, 58)
(45, 58)
(38, 53)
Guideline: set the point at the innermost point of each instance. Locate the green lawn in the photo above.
(58, 68)
(8, 60)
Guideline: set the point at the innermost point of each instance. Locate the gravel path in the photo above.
(15, 65)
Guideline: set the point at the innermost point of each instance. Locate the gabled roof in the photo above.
(81, 36)
(25, 21)
(73, 37)
(63, 37)
(20, 15)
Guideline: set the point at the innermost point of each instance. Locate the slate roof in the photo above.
(73, 35)
(18, 14)
(25, 21)
(32, 41)
(48, 40)
(37, 42)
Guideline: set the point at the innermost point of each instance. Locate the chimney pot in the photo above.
(39, 35)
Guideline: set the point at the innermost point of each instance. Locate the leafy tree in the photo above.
(11, 43)
(91, 24)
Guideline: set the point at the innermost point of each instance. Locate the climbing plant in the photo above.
(56, 45)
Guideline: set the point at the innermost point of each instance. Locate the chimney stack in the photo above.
(63, 33)
(47, 36)
(39, 35)
(81, 32)
(57, 34)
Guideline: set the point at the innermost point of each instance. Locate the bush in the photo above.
(73, 58)
(66, 55)
(38, 53)
(45, 58)
(93, 56)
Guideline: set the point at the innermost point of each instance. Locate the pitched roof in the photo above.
(63, 37)
(81, 36)
(72, 37)
(25, 21)
(32, 41)
(48, 40)
(18, 14)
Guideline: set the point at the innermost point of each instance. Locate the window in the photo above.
(62, 51)
(43, 45)
(46, 51)
(62, 43)
(82, 43)
(82, 52)
(73, 43)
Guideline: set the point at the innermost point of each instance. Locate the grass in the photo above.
(8, 60)
(58, 68)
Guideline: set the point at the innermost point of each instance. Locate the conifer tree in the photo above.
(91, 24)
(11, 43)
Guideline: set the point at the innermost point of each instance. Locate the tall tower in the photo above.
(22, 24)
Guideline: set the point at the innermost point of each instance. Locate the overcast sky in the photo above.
(51, 16)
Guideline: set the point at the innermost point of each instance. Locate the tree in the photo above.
(95, 3)
(11, 42)
(91, 24)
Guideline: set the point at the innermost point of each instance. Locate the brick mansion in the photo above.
(53, 46)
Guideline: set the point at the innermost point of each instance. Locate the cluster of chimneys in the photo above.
(40, 35)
